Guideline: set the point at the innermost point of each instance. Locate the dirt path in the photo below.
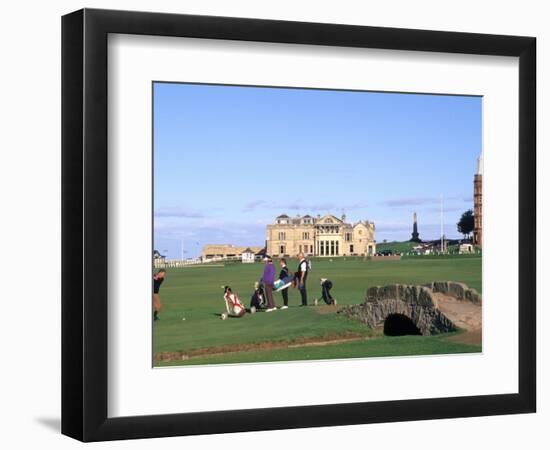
(464, 314)
(469, 337)
(237, 348)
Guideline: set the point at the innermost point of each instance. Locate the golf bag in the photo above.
(283, 283)
(233, 305)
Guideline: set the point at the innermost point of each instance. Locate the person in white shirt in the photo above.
(301, 277)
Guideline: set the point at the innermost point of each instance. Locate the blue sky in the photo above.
(229, 159)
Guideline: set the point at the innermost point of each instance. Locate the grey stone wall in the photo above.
(415, 302)
(460, 291)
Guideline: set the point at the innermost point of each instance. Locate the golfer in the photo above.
(284, 275)
(157, 281)
(301, 276)
(326, 286)
(268, 279)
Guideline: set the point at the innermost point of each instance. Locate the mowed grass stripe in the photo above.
(366, 348)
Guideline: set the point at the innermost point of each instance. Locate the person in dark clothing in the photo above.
(284, 274)
(301, 277)
(158, 278)
(257, 299)
(326, 286)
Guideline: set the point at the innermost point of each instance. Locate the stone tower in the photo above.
(415, 237)
(478, 209)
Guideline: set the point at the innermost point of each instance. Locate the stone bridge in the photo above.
(416, 304)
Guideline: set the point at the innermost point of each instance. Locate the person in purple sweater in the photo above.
(268, 279)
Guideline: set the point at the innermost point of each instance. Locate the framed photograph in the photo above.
(272, 224)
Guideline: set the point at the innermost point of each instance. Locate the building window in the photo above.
(332, 247)
(351, 248)
(337, 248)
(282, 236)
(322, 248)
(305, 236)
(282, 249)
(348, 237)
(311, 249)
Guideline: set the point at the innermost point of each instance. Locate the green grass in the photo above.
(196, 295)
(377, 347)
(406, 247)
(443, 256)
(394, 246)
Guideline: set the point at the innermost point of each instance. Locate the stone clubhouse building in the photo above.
(313, 236)
(320, 236)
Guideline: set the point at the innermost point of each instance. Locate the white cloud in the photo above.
(177, 211)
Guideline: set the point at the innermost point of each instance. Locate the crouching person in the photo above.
(257, 299)
(326, 286)
(233, 305)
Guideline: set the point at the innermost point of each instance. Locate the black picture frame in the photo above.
(84, 224)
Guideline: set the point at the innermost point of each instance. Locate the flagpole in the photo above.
(441, 220)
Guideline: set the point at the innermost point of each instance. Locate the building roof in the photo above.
(330, 217)
(229, 248)
(321, 220)
(219, 245)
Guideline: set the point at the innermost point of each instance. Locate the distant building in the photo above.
(158, 259)
(248, 256)
(320, 236)
(424, 248)
(466, 248)
(224, 251)
(478, 197)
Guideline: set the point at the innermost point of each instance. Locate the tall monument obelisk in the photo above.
(415, 237)
(478, 211)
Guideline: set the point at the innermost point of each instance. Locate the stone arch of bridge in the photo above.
(397, 324)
